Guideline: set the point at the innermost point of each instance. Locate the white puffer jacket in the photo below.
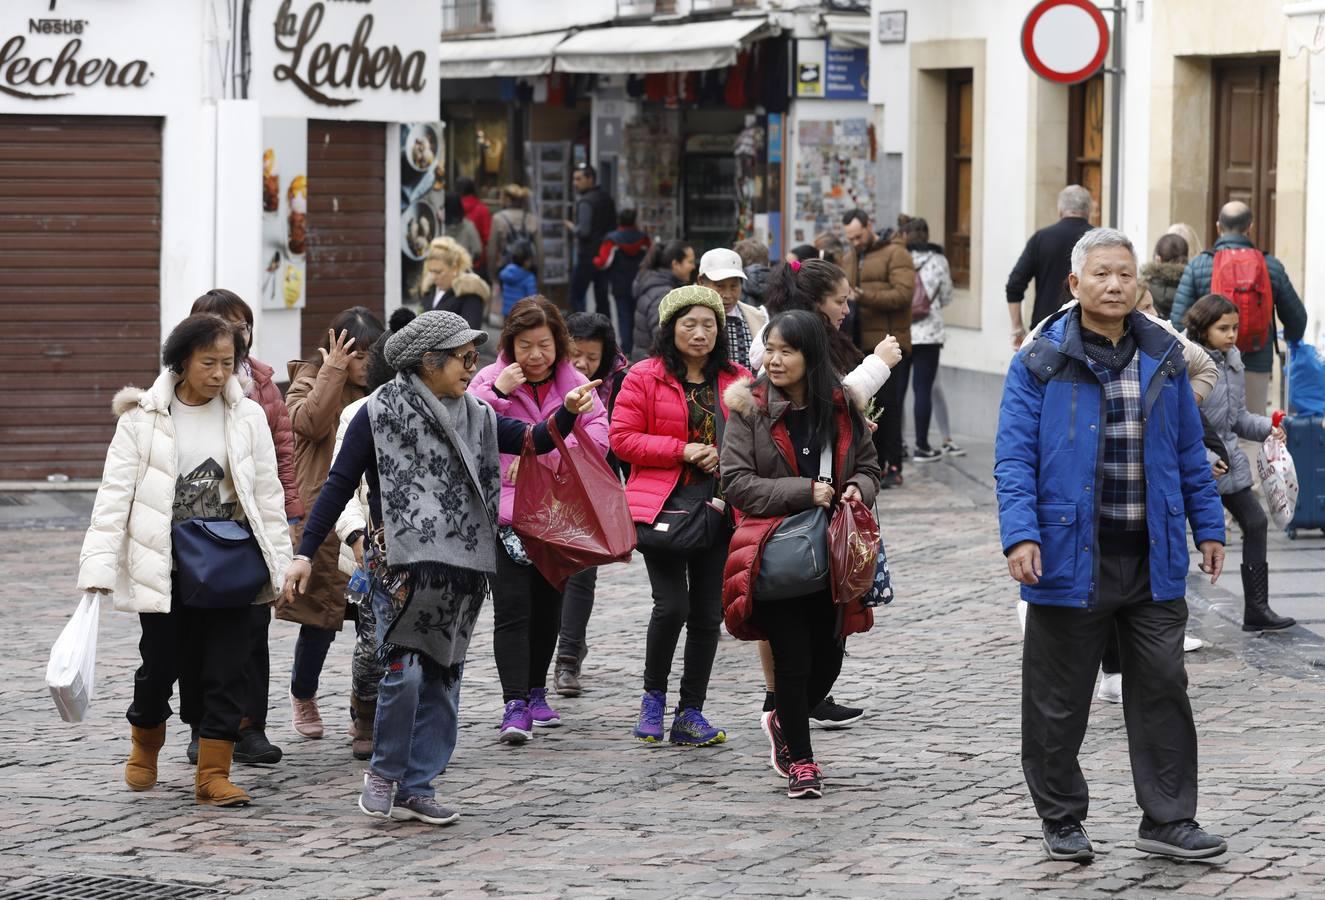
(355, 515)
(128, 544)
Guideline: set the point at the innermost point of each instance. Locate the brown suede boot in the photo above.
(140, 770)
(212, 785)
(362, 743)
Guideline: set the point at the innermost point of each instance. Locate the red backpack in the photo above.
(1241, 275)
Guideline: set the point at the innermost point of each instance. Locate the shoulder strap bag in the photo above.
(218, 564)
(795, 561)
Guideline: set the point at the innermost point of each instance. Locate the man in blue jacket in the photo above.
(1099, 465)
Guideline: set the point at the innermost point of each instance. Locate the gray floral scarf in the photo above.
(439, 489)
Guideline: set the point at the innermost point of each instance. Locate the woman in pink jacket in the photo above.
(529, 381)
(667, 425)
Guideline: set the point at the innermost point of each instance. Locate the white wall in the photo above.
(531, 16)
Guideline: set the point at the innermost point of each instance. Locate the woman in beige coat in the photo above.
(190, 446)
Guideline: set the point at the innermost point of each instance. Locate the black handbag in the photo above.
(795, 558)
(693, 518)
(218, 563)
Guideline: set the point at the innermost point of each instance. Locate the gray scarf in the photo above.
(439, 488)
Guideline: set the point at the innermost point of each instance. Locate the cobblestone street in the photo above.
(924, 798)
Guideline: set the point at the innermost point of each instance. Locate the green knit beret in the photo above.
(688, 295)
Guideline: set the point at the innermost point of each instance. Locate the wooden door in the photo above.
(347, 222)
(1085, 140)
(80, 285)
(1246, 134)
(958, 173)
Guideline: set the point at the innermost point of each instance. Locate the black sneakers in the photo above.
(779, 755)
(1065, 839)
(1183, 839)
(831, 716)
(805, 781)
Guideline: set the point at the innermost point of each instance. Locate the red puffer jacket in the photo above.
(650, 428)
(263, 391)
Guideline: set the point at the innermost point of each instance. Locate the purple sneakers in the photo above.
(649, 729)
(517, 725)
(544, 716)
(691, 729)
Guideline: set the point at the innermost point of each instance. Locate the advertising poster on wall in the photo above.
(284, 213)
(422, 201)
(835, 172)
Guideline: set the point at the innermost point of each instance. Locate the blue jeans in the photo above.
(417, 721)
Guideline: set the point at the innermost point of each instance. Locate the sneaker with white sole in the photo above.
(376, 798)
(832, 716)
(423, 809)
(1190, 642)
(306, 717)
(950, 448)
(1111, 688)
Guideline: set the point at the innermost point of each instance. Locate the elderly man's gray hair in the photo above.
(1074, 200)
(1094, 240)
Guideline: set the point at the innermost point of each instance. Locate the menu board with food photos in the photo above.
(422, 202)
(284, 213)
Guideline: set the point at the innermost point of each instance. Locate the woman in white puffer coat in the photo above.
(191, 446)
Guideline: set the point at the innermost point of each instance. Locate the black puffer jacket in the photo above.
(1162, 280)
(756, 283)
(650, 287)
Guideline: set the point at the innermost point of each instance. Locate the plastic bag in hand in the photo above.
(71, 669)
(1278, 480)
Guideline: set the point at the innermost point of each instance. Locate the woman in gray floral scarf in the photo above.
(429, 453)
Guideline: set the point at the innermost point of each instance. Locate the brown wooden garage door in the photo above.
(80, 239)
(346, 224)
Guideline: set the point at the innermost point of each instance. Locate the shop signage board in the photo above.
(830, 73)
(1065, 41)
(97, 58)
(366, 60)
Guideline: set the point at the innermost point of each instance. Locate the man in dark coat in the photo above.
(595, 216)
(1046, 259)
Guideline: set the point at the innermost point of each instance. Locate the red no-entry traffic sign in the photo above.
(1065, 41)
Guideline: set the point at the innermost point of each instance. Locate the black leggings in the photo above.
(1246, 509)
(687, 592)
(526, 615)
(576, 607)
(807, 657)
(923, 363)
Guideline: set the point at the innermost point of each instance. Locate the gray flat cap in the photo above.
(436, 330)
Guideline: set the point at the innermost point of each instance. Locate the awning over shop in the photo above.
(515, 57)
(643, 49)
(847, 32)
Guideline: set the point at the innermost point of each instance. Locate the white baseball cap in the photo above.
(721, 263)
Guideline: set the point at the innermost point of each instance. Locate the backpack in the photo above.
(515, 234)
(1240, 274)
(920, 300)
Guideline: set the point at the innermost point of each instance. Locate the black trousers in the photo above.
(888, 436)
(1246, 509)
(1062, 650)
(526, 616)
(922, 366)
(576, 607)
(807, 658)
(687, 592)
(206, 651)
(258, 668)
(584, 274)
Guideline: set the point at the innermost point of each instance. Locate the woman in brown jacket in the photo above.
(318, 392)
(771, 468)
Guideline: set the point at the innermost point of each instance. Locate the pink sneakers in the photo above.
(305, 716)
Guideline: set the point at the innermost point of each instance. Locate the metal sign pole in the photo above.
(1119, 10)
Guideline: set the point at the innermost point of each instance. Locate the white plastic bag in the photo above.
(1278, 480)
(71, 669)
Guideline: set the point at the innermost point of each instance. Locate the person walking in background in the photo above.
(190, 447)
(783, 429)
(319, 391)
(457, 226)
(721, 270)
(255, 377)
(431, 550)
(1101, 399)
(667, 426)
(450, 284)
(883, 278)
(1045, 259)
(594, 353)
(665, 268)
(927, 333)
(511, 224)
(1162, 275)
(754, 257)
(517, 277)
(620, 255)
(529, 381)
(1213, 322)
(476, 211)
(595, 216)
(1235, 268)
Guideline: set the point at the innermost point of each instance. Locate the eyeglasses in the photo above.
(468, 359)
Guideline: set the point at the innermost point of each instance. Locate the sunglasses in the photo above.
(468, 359)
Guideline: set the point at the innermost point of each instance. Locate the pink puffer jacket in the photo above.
(650, 428)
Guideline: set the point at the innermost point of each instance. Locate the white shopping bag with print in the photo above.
(1278, 480)
(69, 674)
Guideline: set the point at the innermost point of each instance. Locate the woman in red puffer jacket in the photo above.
(664, 427)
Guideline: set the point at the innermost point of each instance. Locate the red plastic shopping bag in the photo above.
(572, 517)
(853, 550)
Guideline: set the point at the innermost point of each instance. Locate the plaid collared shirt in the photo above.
(1123, 496)
(738, 338)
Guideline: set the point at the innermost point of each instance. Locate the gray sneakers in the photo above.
(377, 795)
(423, 809)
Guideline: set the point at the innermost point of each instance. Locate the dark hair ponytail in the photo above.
(661, 255)
(804, 286)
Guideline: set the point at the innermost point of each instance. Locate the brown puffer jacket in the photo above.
(886, 279)
(315, 399)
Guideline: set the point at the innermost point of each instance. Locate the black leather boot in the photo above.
(1256, 612)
